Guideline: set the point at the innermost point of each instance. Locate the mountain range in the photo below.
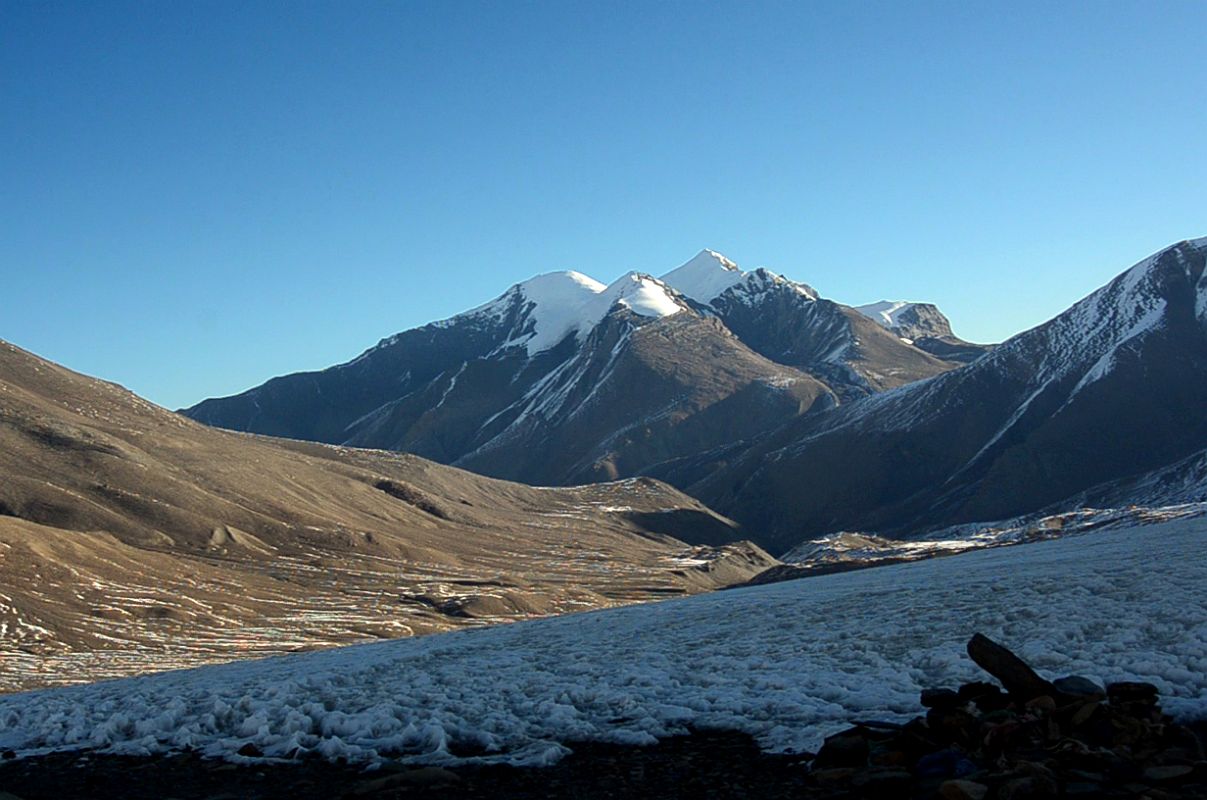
(1104, 403)
(134, 538)
(563, 380)
(792, 414)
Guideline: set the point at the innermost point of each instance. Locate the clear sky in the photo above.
(196, 196)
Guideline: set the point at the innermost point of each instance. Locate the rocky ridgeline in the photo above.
(1027, 738)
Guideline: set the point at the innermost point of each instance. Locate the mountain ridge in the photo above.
(488, 389)
(1108, 389)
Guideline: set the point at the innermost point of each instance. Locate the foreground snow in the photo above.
(789, 663)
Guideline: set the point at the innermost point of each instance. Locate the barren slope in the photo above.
(132, 538)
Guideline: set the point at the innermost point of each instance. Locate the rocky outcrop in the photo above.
(1027, 738)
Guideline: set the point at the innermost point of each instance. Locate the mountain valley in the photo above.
(133, 539)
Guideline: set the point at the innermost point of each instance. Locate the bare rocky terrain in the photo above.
(133, 539)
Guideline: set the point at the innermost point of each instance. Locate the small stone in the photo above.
(963, 790)
(988, 697)
(1158, 794)
(250, 750)
(1129, 731)
(1182, 738)
(1034, 781)
(973, 689)
(880, 781)
(940, 698)
(1077, 686)
(8, 755)
(944, 764)
(890, 758)
(1025, 789)
(1131, 692)
(1170, 773)
(847, 749)
(1083, 789)
(1042, 703)
(835, 775)
(1007, 735)
(999, 716)
(952, 725)
(1082, 715)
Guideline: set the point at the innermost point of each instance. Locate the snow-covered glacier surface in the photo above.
(790, 662)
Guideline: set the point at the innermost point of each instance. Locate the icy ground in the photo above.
(789, 662)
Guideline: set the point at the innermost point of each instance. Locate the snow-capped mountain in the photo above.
(562, 379)
(544, 310)
(1114, 387)
(924, 326)
(790, 323)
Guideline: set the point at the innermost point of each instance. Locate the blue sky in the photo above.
(195, 197)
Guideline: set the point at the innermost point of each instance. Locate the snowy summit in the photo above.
(706, 277)
(557, 304)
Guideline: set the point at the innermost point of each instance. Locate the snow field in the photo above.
(789, 663)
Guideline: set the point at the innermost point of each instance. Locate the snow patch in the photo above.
(452, 383)
(1104, 365)
(558, 300)
(641, 294)
(886, 312)
(558, 304)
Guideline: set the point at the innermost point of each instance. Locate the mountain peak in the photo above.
(642, 294)
(713, 256)
(557, 304)
(908, 319)
(560, 282)
(886, 312)
(705, 277)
